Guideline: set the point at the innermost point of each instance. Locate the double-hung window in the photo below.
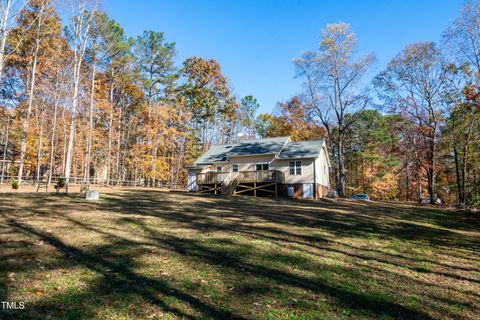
(235, 167)
(295, 168)
(261, 166)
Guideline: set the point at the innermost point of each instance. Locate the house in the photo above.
(271, 166)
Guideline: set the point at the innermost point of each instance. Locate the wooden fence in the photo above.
(29, 180)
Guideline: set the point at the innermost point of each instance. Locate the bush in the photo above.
(61, 182)
(15, 184)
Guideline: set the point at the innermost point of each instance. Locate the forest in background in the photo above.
(78, 98)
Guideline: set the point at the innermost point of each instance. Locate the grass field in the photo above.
(157, 255)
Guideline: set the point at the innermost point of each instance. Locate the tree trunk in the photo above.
(26, 121)
(460, 191)
(5, 149)
(64, 154)
(341, 169)
(39, 148)
(86, 174)
(71, 136)
(431, 171)
(52, 142)
(110, 123)
(4, 33)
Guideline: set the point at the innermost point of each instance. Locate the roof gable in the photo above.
(260, 146)
(302, 149)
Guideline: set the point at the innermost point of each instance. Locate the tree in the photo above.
(82, 14)
(207, 93)
(35, 47)
(106, 41)
(268, 125)
(332, 77)
(9, 9)
(373, 155)
(296, 122)
(462, 36)
(247, 114)
(412, 85)
(155, 61)
(462, 43)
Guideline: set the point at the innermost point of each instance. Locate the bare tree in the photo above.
(82, 12)
(26, 121)
(462, 37)
(9, 10)
(331, 77)
(462, 43)
(413, 84)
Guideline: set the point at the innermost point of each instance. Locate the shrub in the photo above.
(15, 184)
(61, 182)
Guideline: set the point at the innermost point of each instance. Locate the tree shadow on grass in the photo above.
(279, 223)
(118, 278)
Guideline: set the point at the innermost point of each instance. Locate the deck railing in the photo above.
(260, 176)
(211, 177)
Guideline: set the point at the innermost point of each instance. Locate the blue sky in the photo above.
(255, 41)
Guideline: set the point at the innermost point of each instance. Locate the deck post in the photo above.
(255, 189)
(215, 190)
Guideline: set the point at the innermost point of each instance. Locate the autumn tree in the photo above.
(412, 85)
(81, 18)
(208, 97)
(331, 78)
(154, 58)
(462, 45)
(373, 155)
(37, 38)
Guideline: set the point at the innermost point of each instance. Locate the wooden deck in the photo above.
(240, 182)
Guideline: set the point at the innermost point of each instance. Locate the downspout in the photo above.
(314, 179)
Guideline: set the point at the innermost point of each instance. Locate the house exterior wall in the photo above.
(247, 163)
(284, 166)
(322, 169)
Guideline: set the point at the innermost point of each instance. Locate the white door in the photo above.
(192, 181)
(308, 190)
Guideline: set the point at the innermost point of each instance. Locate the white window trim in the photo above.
(295, 167)
(238, 167)
(262, 163)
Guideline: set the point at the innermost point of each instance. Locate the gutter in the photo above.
(314, 179)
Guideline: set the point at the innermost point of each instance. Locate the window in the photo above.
(219, 168)
(295, 168)
(235, 167)
(261, 166)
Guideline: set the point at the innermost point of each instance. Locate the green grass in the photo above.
(156, 255)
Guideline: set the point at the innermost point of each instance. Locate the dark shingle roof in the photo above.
(260, 146)
(251, 147)
(303, 149)
(277, 146)
(214, 154)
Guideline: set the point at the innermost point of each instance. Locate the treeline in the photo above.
(412, 133)
(83, 100)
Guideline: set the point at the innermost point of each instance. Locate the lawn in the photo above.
(157, 255)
